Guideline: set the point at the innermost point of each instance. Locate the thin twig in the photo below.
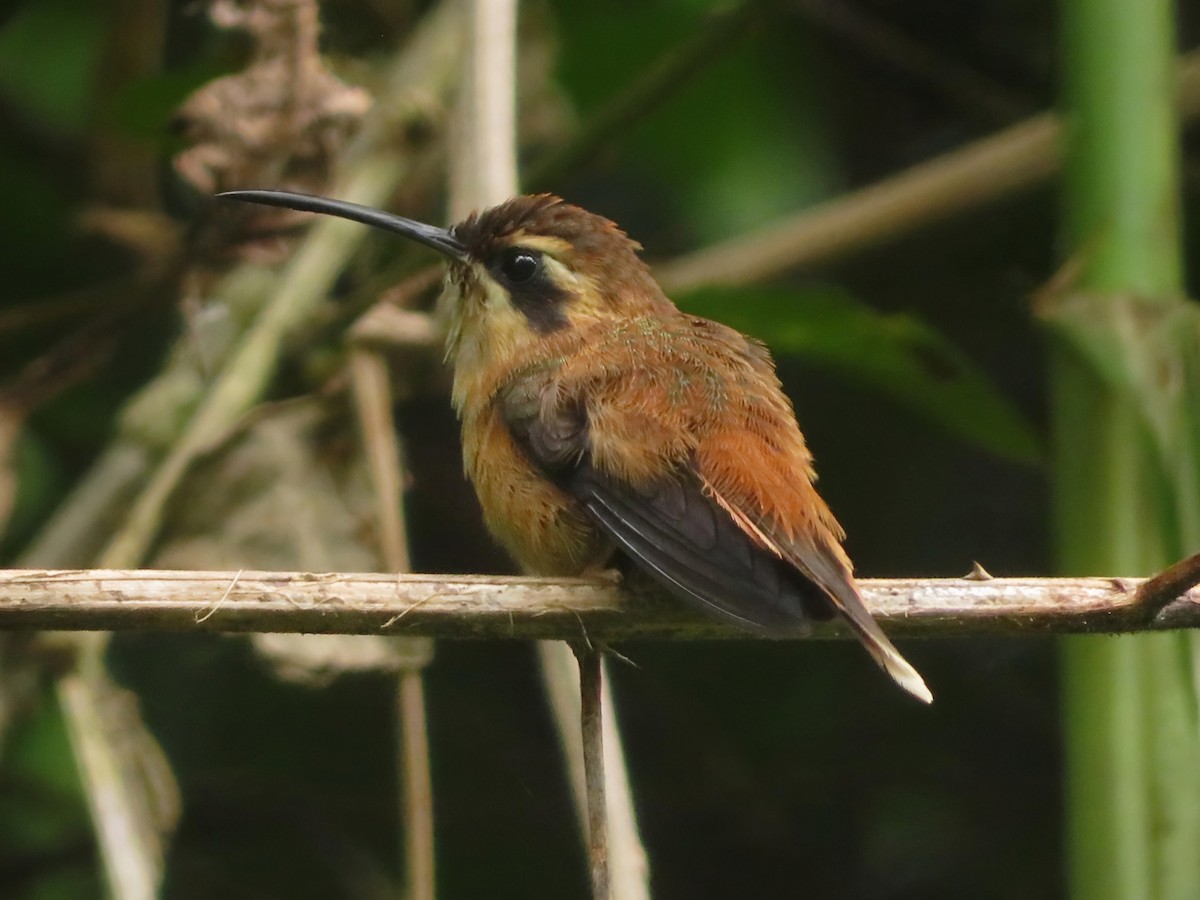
(591, 723)
(417, 784)
(131, 871)
(373, 402)
(982, 172)
(130, 791)
(971, 176)
(491, 607)
(1154, 594)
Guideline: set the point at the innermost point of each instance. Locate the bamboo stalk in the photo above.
(1125, 454)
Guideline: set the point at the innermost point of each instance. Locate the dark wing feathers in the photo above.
(702, 547)
(673, 529)
(696, 550)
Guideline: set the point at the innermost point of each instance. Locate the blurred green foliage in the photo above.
(48, 57)
(897, 355)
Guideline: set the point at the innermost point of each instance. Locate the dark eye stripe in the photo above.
(522, 272)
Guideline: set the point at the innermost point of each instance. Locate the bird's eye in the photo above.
(519, 266)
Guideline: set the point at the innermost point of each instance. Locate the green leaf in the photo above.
(145, 106)
(896, 354)
(42, 807)
(48, 55)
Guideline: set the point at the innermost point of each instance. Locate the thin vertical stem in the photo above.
(592, 729)
(132, 805)
(417, 803)
(381, 443)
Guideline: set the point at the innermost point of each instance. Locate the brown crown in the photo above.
(545, 214)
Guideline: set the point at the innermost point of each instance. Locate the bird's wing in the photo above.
(681, 537)
(611, 437)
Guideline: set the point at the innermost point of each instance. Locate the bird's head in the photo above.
(518, 274)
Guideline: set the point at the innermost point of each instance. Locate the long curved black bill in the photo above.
(439, 239)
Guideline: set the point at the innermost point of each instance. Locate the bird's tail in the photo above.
(849, 603)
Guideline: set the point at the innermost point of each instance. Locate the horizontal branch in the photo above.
(463, 606)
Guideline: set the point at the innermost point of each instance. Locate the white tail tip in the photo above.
(906, 676)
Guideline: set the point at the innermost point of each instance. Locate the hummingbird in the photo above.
(600, 421)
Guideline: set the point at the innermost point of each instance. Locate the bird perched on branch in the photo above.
(598, 418)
